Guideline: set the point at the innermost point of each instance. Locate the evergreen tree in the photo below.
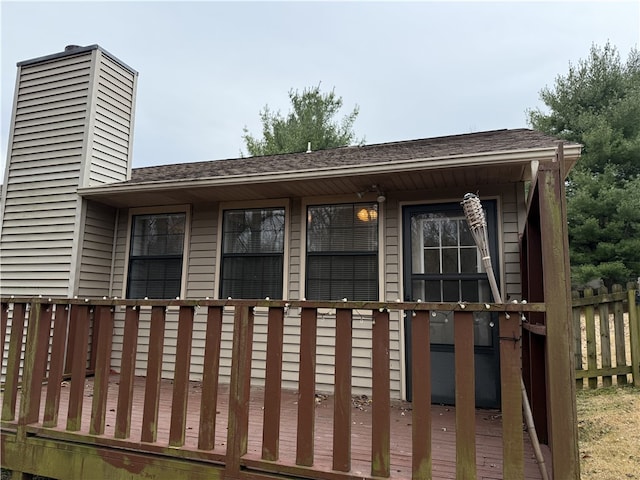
(598, 105)
(311, 121)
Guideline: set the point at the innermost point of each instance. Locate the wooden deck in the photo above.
(443, 433)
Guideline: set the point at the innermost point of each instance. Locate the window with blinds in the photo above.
(155, 255)
(342, 252)
(252, 253)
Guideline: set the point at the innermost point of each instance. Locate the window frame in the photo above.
(367, 199)
(253, 205)
(159, 210)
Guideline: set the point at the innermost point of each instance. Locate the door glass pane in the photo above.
(441, 327)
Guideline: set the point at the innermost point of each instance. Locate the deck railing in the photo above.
(68, 339)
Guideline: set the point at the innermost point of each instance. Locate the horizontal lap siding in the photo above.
(111, 139)
(511, 210)
(43, 173)
(96, 253)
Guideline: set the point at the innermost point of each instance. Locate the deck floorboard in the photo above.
(488, 430)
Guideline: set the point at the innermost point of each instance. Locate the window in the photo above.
(342, 252)
(155, 256)
(252, 253)
(446, 266)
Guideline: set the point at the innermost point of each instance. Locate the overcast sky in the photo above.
(416, 69)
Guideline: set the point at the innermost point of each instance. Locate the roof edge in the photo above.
(571, 153)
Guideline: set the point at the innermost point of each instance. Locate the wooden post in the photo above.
(381, 414)
(80, 347)
(102, 342)
(618, 322)
(16, 339)
(154, 375)
(52, 403)
(127, 372)
(465, 396)
(634, 332)
(306, 389)
(181, 377)
(273, 385)
(562, 421)
(239, 394)
(35, 355)
(421, 461)
(342, 396)
(510, 374)
(211, 369)
(605, 338)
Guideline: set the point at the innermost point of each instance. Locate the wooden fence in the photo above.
(607, 336)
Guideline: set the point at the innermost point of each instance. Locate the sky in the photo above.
(415, 69)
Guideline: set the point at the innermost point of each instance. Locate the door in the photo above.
(442, 264)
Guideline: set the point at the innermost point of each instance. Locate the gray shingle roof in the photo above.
(453, 145)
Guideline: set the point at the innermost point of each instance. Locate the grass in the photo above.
(609, 433)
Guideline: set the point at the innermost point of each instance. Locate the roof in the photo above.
(441, 163)
(437, 147)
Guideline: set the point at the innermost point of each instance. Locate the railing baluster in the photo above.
(80, 347)
(381, 388)
(239, 394)
(56, 365)
(421, 463)
(465, 396)
(211, 369)
(273, 385)
(102, 342)
(342, 394)
(35, 357)
(510, 375)
(4, 320)
(181, 377)
(307, 387)
(12, 376)
(127, 372)
(154, 375)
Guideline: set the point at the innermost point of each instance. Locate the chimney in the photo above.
(72, 126)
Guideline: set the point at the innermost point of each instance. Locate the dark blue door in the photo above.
(442, 264)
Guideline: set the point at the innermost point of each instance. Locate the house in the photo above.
(372, 223)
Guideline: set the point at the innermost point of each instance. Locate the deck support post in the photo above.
(562, 418)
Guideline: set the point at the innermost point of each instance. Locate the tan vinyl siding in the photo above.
(111, 139)
(96, 253)
(510, 242)
(39, 215)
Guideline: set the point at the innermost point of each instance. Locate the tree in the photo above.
(598, 105)
(310, 121)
